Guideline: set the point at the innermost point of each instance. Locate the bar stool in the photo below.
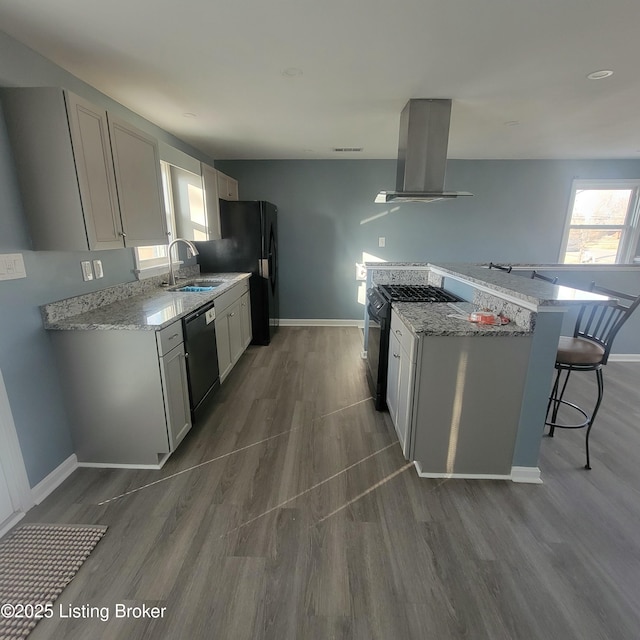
(588, 350)
(540, 276)
(506, 268)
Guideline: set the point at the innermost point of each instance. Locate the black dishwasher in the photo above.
(202, 359)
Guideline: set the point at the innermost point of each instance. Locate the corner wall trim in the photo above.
(320, 322)
(624, 357)
(48, 485)
(530, 475)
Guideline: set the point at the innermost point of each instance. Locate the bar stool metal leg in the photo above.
(557, 398)
(600, 379)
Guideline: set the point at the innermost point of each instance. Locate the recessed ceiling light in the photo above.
(599, 75)
(292, 72)
(189, 115)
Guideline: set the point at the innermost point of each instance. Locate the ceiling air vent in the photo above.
(347, 149)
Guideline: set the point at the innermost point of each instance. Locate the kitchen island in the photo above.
(486, 388)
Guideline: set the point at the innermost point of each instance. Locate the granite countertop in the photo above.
(431, 319)
(150, 311)
(531, 293)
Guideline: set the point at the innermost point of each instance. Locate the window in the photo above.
(184, 203)
(602, 222)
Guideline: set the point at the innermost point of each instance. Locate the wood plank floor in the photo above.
(291, 514)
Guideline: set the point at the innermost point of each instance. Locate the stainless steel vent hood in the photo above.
(422, 153)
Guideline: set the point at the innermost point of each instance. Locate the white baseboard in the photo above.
(320, 322)
(114, 465)
(624, 357)
(49, 484)
(11, 522)
(529, 475)
(460, 476)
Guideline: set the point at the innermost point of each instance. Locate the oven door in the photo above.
(377, 356)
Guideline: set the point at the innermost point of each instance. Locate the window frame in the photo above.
(630, 229)
(150, 267)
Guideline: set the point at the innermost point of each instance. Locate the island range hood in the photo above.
(422, 153)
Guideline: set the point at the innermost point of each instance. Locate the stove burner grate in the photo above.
(416, 293)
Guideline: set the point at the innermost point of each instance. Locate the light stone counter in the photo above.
(432, 319)
(531, 294)
(154, 309)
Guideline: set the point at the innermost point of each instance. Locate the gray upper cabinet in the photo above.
(211, 204)
(136, 160)
(96, 179)
(216, 186)
(227, 187)
(88, 181)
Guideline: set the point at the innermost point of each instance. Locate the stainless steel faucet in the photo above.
(194, 251)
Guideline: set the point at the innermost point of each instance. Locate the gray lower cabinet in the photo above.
(455, 400)
(126, 393)
(223, 345)
(175, 390)
(233, 326)
(468, 397)
(401, 380)
(245, 320)
(88, 180)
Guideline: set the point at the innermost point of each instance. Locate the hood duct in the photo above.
(422, 153)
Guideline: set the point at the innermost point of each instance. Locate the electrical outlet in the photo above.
(382, 241)
(97, 268)
(12, 266)
(87, 271)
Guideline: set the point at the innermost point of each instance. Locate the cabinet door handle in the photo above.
(232, 314)
(395, 355)
(398, 332)
(175, 335)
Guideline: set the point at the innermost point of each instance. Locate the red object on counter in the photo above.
(487, 317)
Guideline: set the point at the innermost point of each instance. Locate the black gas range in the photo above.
(379, 301)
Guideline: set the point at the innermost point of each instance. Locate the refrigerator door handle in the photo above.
(264, 268)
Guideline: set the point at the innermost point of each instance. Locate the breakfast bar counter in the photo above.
(478, 401)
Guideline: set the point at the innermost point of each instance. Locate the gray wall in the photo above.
(26, 358)
(327, 218)
(325, 224)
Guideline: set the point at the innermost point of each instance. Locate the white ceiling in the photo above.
(500, 61)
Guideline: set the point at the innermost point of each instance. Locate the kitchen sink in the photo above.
(197, 286)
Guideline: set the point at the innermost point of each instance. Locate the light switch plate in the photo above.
(97, 268)
(87, 271)
(382, 241)
(12, 266)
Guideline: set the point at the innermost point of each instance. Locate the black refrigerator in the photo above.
(249, 243)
